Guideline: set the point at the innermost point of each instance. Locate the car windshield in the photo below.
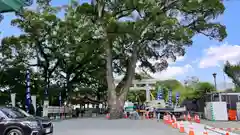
(15, 113)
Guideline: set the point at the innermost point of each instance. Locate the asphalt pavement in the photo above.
(102, 126)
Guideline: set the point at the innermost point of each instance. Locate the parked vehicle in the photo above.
(162, 107)
(15, 121)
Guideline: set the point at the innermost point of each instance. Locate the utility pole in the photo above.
(225, 84)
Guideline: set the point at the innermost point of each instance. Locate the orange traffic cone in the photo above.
(108, 116)
(174, 122)
(197, 118)
(178, 125)
(170, 122)
(189, 117)
(175, 125)
(191, 132)
(227, 133)
(147, 115)
(205, 132)
(185, 117)
(164, 119)
(168, 119)
(125, 116)
(181, 127)
(174, 118)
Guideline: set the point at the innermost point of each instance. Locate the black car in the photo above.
(15, 121)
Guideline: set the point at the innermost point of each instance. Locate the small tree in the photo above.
(233, 72)
(203, 88)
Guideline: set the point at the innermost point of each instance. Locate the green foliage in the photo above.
(233, 72)
(61, 49)
(186, 92)
(202, 88)
(137, 96)
(154, 33)
(175, 86)
(91, 42)
(237, 89)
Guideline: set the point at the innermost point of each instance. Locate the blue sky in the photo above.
(202, 59)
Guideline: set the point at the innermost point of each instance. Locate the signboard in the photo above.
(238, 110)
(13, 99)
(170, 98)
(148, 93)
(45, 108)
(159, 94)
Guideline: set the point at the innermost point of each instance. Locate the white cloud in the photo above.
(216, 55)
(172, 72)
(170, 61)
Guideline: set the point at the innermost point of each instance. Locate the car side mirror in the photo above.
(2, 118)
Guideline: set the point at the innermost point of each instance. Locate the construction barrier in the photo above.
(220, 133)
(205, 132)
(226, 129)
(232, 115)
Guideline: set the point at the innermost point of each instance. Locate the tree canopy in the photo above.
(153, 32)
(93, 41)
(59, 52)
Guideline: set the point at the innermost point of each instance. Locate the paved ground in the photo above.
(223, 124)
(101, 126)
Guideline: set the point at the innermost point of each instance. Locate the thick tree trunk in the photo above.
(116, 108)
(117, 95)
(116, 105)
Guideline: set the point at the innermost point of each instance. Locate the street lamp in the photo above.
(214, 77)
(215, 83)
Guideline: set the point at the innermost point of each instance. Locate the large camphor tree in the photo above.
(142, 31)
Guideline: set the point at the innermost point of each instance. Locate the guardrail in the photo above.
(57, 109)
(57, 112)
(65, 112)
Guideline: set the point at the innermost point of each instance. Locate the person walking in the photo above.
(31, 109)
(158, 114)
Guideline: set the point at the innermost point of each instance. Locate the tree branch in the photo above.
(54, 68)
(130, 71)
